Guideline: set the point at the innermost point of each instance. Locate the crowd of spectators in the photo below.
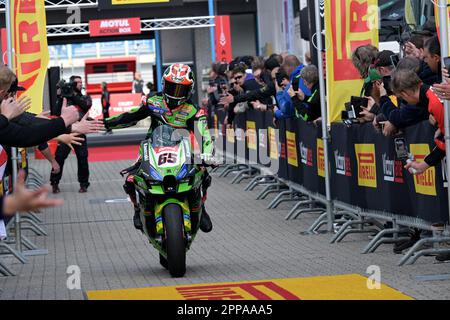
(402, 89)
(280, 84)
(19, 128)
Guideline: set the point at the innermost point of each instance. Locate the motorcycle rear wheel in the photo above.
(175, 242)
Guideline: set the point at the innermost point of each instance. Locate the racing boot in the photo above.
(137, 219)
(205, 221)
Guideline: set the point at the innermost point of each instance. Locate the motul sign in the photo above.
(114, 27)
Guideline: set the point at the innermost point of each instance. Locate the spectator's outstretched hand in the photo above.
(69, 114)
(380, 86)
(415, 167)
(300, 94)
(84, 126)
(412, 51)
(25, 200)
(291, 92)
(442, 90)
(365, 114)
(71, 139)
(228, 99)
(211, 89)
(317, 122)
(43, 115)
(12, 108)
(388, 128)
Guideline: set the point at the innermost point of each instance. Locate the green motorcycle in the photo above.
(168, 185)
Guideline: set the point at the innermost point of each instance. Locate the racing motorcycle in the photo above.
(168, 186)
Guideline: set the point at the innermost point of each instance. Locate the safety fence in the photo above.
(369, 185)
(13, 241)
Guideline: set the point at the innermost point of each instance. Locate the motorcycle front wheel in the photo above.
(175, 242)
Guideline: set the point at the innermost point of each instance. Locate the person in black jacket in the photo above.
(106, 104)
(415, 48)
(432, 57)
(83, 104)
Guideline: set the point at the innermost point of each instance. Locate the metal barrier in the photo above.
(349, 219)
(29, 221)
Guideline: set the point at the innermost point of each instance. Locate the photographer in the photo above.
(72, 92)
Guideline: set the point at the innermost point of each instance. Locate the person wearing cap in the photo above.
(379, 73)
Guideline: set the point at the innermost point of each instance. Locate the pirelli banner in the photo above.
(366, 172)
(29, 36)
(348, 25)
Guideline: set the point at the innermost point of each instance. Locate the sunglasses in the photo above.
(238, 78)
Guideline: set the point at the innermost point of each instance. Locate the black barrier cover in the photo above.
(364, 167)
(262, 149)
(365, 172)
(310, 149)
(240, 127)
(282, 151)
(218, 120)
(292, 151)
(253, 122)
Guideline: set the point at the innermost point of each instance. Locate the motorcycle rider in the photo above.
(172, 106)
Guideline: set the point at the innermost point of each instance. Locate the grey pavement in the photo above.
(248, 242)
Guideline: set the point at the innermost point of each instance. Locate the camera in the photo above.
(67, 88)
(353, 109)
(223, 86)
(280, 76)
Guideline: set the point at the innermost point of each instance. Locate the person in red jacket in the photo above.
(407, 85)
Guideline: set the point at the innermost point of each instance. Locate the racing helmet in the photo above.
(177, 85)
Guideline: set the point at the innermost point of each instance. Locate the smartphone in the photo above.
(401, 149)
(359, 101)
(395, 60)
(295, 84)
(357, 105)
(447, 63)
